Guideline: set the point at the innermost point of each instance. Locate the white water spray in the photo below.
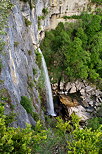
(49, 98)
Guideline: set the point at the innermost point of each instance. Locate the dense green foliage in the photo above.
(45, 11)
(5, 7)
(17, 140)
(74, 50)
(67, 137)
(94, 123)
(85, 141)
(38, 58)
(27, 104)
(97, 1)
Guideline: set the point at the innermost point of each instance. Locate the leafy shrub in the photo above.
(79, 141)
(34, 71)
(27, 22)
(98, 11)
(85, 141)
(29, 52)
(65, 137)
(10, 118)
(30, 82)
(94, 123)
(2, 44)
(38, 58)
(16, 44)
(17, 140)
(97, 1)
(5, 96)
(13, 140)
(99, 111)
(35, 116)
(72, 17)
(27, 104)
(45, 11)
(41, 18)
(39, 21)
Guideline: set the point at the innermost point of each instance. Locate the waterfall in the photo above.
(49, 98)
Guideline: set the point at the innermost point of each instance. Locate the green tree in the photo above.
(91, 24)
(76, 60)
(81, 34)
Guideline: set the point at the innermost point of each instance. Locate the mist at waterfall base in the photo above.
(49, 97)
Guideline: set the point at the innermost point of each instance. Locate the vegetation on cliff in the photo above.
(97, 1)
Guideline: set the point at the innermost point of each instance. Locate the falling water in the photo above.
(49, 98)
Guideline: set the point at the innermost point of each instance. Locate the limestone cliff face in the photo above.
(25, 30)
(19, 60)
(59, 8)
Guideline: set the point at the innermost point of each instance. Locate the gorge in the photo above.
(21, 67)
(68, 36)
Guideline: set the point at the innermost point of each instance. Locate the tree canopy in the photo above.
(74, 50)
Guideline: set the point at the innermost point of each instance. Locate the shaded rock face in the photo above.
(79, 97)
(60, 108)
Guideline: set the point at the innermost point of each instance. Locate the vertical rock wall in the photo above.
(19, 60)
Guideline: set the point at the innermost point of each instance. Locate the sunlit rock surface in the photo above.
(79, 97)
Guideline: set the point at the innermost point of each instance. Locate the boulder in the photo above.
(79, 85)
(98, 92)
(73, 89)
(90, 110)
(68, 86)
(66, 100)
(61, 92)
(97, 104)
(61, 85)
(80, 112)
(89, 88)
(82, 91)
(85, 104)
(91, 103)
